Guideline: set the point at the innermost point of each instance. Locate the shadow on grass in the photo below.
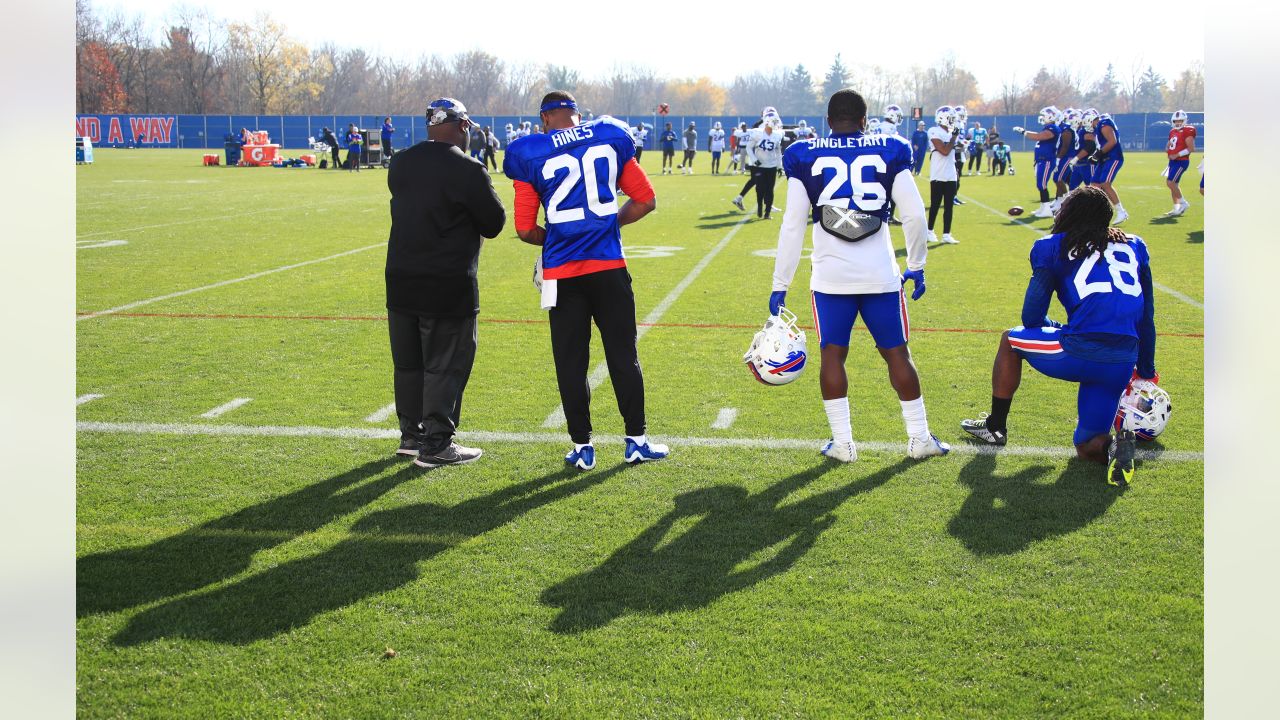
(736, 540)
(382, 555)
(221, 548)
(1195, 236)
(717, 225)
(1004, 515)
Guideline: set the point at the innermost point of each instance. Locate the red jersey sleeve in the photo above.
(633, 182)
(527, 202)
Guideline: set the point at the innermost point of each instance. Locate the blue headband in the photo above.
(557, 104)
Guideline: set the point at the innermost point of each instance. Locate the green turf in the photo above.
(265, 576)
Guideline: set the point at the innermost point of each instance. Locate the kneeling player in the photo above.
(1103, 279)
(855, 272)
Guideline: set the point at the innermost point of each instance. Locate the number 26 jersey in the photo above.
(575, 173)
(1102, 292)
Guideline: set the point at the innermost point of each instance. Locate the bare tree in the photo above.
(195, 44)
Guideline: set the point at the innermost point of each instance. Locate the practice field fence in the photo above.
(1138, 131)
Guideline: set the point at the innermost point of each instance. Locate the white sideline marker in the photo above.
(253, 276)
(382, 414)
(480, 436)
(725, 419)
(1169, 291)
(88, 398)
(226, 407)
(556, 418)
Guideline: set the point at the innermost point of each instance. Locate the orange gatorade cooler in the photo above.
(210, 159)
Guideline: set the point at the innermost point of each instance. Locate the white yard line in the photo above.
(381, 414)
(725, 419)
(88, 398)
(202, 288)
(225, 216)
(556, 418)
(480, 436)
(226, 407)
(1168, 291)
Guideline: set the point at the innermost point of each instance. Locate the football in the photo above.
(1016, 210)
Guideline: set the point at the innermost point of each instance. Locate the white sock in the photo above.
(737, 197)
(639, 439)
(913, 416)
(838, 419)
(578, 446)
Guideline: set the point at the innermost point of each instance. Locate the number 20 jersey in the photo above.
(575, 172)
(1101, 292)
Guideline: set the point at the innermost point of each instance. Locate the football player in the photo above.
(843, 182)
(638, 136)
(1081, 172)
(962, 147)
(575, 171)
(1107, 159)
(764, 153)
(892, 119)
(1103, 280)
(873, 126)
(943, 171)
(1182, 142)
(689, 142)
(1063, 156)
(715, 144)
(803, 131)
(668, 140)
(1046, 153)
(738, 163)
(978, 144)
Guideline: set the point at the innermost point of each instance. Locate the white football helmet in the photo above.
(1179, 118)
(768, 111)
(717, 125)
(962, 116)
(1144, 408)
(1073, 118)
(1089, 118)
(1049, 115)
(945, 117)
(873, 125)
(508, 127)
(777, 354)
(893, 114)
(804, 123)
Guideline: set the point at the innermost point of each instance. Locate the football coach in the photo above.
(442, 207)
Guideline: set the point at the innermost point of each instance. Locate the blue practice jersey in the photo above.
(1063, 142)
(1117, 152)
(1047, 150)
(575, 172)
(848, 170)
(668, 139)
(1102, 292)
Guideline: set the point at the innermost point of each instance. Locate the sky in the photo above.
(721, 40)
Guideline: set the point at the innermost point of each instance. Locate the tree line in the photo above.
(200, 64)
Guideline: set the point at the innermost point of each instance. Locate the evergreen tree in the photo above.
(837, 78)
(1150, 92)
(1103, 93)
(798, 96)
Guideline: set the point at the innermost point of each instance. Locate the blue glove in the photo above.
(776, 300)
(917, 277)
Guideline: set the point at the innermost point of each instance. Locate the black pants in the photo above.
(490, 157)
(334, 150)
(688, 159)
(639, 152)
(959, 173)
(941, 194)
(975, 158)
(752, 179)
(999, 165)
(386, 146)
(765, 180)
(605, 297)
(433, 359)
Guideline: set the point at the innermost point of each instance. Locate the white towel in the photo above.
(548, 294)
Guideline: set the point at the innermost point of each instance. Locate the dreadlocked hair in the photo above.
(1084, 217)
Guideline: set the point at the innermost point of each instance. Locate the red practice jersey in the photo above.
(1178, 140)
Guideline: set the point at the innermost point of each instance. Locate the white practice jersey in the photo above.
(888, 128)
(764, 148)
(941, 167)
(638, 136)
(717, 140)
(744, 136)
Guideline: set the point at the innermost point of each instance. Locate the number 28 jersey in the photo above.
(1101, 292)
(575, 173)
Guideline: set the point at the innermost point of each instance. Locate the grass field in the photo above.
(259, 562)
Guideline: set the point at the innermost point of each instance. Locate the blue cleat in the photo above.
(583, 459)
(636, 453)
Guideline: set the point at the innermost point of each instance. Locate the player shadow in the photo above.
(382, 553)
(736, 540)
(1195, 236)
(716, 225)
(120, 579)
(721, 216)
(1005, 514)
(1163, 221)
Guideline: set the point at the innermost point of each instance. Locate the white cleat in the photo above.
(842, 452)
(1121, 216)
(1180, 208)
(1043, 211)
(947, 239)
(920, 448)
(933, 238)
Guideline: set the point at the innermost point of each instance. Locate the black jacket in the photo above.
(442, 202)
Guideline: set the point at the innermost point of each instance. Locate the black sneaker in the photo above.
(454, 454)
(409, 446)
(1120, 457)
(894, 221)
(978, 429)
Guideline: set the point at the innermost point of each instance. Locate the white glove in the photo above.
(1019, 130)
